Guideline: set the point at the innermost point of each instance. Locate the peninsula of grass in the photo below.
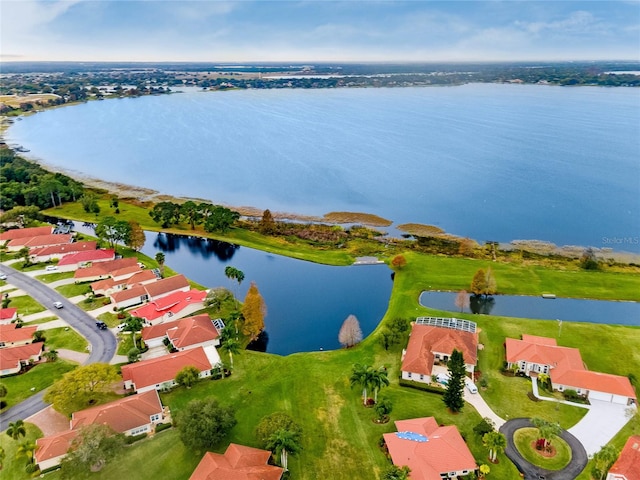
(353, 217)
(524, 438)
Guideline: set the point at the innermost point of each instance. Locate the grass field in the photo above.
(523, 439)
(14, 468)
(73, 289)
(54, 277)
(25, 305)
(64, 337)
(15, 100)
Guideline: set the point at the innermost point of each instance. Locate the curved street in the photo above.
(579, 457)
(103, 342)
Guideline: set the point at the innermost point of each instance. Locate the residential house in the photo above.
(83, 259)
(109, 285)
(132, 415)
(25, 232)
(627, 466)
(104, 269)
(10, 336)
(160, 372)
(429, 345)
(237, 463)
(173, 306)
(39, 241)
(190, 332)
(432, 452)
(56, 252)
(13, 359)
(534, 355)
(8, 315)
(150, 292)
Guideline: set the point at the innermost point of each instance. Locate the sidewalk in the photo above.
(534, 387)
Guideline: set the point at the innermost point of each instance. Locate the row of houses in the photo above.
(17, 349)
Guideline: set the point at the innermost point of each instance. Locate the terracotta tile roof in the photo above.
(192, 331)
(166, 286)
(141, 277)
(25, 232)
(563, 358)
(54, 445)
(237, 463)
(600, 382)
(173, 303)
(426, 340)
(104, 269)
(64, 249)
(163, 369)
(121, 415)
(10, 334)
(41, 240)
(443, 451)
(128, 294)
(539, 340)
(7, 313)
(127, 272)
(10, 357)
(628, 463)
(87, 256)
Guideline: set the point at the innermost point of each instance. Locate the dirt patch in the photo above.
(49, 421)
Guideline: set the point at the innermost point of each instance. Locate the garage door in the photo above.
(607, 397)
(620, 399)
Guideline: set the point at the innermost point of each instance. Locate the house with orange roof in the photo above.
(100, 270)
(150, 291)
(627, 466)
(190, 332)
(10, 336)
(534, 355)
(132, 415)
(86, 258)
(39, 241)
(13, 359)
(56, 252)
(25, 232)
(160, 372)
(237, 463)
(430, 345)
(173, 306)
(52, 449)
(110, 285)
(8, 315)
(432, 452)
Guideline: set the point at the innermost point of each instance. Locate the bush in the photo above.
(421, 386)
(134, 438)
(163, 426)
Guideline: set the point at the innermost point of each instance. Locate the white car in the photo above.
(58, 305)
(442, 378)
(3, 276)
(471, 386)
(50, 268)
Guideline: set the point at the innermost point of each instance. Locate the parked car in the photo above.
(50, 268)
(443, 378)
(101, 325)
(471, 386)
(58, 305)
(3, 276)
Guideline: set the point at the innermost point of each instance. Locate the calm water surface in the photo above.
(493, 162)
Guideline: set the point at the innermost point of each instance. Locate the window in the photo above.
(408, 374)
(421, 377)
(155, 418)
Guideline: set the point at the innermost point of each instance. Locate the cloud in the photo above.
(580, 22)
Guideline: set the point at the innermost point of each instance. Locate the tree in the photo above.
(133, 355)
(362, 375)
(588, 260)
(398, 262)
(484, 470)
(462, 300)
(543, 378)
(496, 442)
(166, 213)
(217, 297)
(24, 253)
(283, 442)
(272, 423)
(79, 388)
(16, 429)
(254, 310)
(479, 282)
(267, 225)
(133, 325)
(94, 446)
(231, 346)
(51, 355)
(204, 423)
(135, 238)
(453, 396)
(3, 393)
(603, 460)
(112, 231)
(188, 376)
(490, 281)
(393, 472)
(89, 203)
(233, 273)
(26, 449)
(486, 425)
(191, 213)
(220, 219)
(379, 379)
(38, 336)
(383, 408)
(350, 333)
(160, 259)
(546, 430)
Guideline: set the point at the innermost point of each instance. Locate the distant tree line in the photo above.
(213, 218)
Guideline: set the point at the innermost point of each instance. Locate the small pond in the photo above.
(566, 309)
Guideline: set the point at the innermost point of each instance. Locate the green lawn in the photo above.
(73, 289)
(111, 319)
(524, 437)
(39, 377)
(41, 320)
(14, 468)
(54, 277)
(125, 343)
(25, 305)
(65, 337)
(89, 303)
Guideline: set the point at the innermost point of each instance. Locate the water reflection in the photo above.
(481, 304)
(197, 246)
(260, 344)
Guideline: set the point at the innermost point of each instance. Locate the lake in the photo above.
(488, 161)
(306, 302)
(566, 309)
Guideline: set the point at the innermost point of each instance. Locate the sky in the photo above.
(318, 30)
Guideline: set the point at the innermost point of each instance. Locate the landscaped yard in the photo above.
(39, 377)
(525, 437)
(25, 305)
(14, 468)
(65, 337)
(73, 289)
(54, 277)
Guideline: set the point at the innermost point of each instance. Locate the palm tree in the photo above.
(26, 449)
(379, 379)
(543, 378)
(231, 346)
(283, 442)
(362, 375)
(16, 429)
(233, 273)
(495, 442)
(603, 460)
(546, 430)
(383, 408)
(160, 259)
(484, 470)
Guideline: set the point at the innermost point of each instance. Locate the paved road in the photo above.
(103, 343)
(531, 472)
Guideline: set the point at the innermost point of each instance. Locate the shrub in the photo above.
(163, 426)
(134, 438)
(421, 386)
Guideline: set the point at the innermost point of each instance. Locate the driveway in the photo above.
(606, 419)
(531, 472)
(103, 343)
